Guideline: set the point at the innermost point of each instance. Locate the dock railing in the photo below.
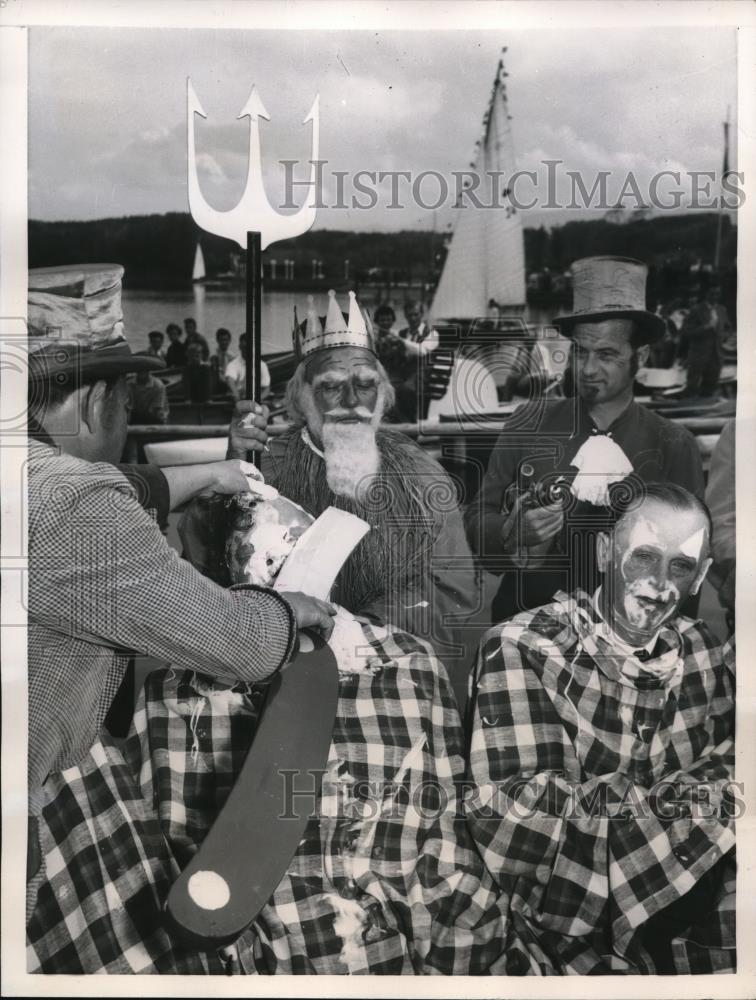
(447, 438)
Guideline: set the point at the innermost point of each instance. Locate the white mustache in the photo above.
(359, 412)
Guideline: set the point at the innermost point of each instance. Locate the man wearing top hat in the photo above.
(559, 465)
(103, 581)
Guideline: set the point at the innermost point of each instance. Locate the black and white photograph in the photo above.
(370, 568)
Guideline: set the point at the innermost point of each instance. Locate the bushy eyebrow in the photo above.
(333, 377)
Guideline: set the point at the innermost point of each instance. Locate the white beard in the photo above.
(351, 456)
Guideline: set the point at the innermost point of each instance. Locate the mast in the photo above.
(725, 169)
(486, 259)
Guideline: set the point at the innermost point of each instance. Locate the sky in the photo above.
(107, 111)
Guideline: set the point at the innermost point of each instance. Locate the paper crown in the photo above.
(610, 288)
(312, 335)
(75, 324)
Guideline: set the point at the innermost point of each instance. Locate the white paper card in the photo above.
(318, 556)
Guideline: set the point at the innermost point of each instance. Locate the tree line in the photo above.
(157, 251)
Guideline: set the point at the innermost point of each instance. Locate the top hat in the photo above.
(75, 325)
(611, 288)
(339, 331)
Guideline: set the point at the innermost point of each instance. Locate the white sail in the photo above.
(486, 258)
(198, 272)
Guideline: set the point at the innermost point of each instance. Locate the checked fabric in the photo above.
(602, 800)
(385, 880)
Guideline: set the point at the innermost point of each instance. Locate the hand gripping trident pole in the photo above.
(253, 223)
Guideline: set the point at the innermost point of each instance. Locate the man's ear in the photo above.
(92, 405)
(701, 575)
(602, 551)
(642, 355)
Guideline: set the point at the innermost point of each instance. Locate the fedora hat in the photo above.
(75, 325)
(610, 288)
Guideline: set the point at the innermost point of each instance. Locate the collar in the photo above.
(305, 435)
(418, 335)
(38, 436)
(664, 669)
(628, 415)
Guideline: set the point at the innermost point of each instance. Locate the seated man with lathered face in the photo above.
(601, 752)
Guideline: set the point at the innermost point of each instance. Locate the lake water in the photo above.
(212, 308)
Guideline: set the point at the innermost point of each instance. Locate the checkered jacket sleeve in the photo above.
(104, 572)
(587, 840)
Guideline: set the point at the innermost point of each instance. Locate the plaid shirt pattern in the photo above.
(385, 880)
(108, 871)
(587, 789)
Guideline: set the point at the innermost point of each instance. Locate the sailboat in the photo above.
(198, 271)
(485, 265)
(481, 290)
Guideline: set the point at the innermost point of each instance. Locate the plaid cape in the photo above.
(108, 871)
(598, 801)
(386, 878)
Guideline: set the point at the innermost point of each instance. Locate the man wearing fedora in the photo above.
(103, 581)
(560, 465)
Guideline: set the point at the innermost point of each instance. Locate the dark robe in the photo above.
(414, 568)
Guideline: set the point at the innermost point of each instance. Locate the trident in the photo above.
(231, 877)
(252, 223)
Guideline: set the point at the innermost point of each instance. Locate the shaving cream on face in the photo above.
(644, 583)
(660, 554)
(693, 544)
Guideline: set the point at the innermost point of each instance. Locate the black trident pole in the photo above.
(254, 322)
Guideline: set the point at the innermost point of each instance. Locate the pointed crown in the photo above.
(313, 335)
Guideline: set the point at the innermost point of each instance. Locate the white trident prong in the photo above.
(253, 212)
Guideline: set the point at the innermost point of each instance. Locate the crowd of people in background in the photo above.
(698, 337)
(203, 375)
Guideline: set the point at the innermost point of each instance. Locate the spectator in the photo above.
(236, 373)
(390, 349)
(175, 356)
(384, 317)
(194, 336)
(147, 399)
(156, 349)
(221, 359)
(418, 341)
(705, 327)
(198, 375)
